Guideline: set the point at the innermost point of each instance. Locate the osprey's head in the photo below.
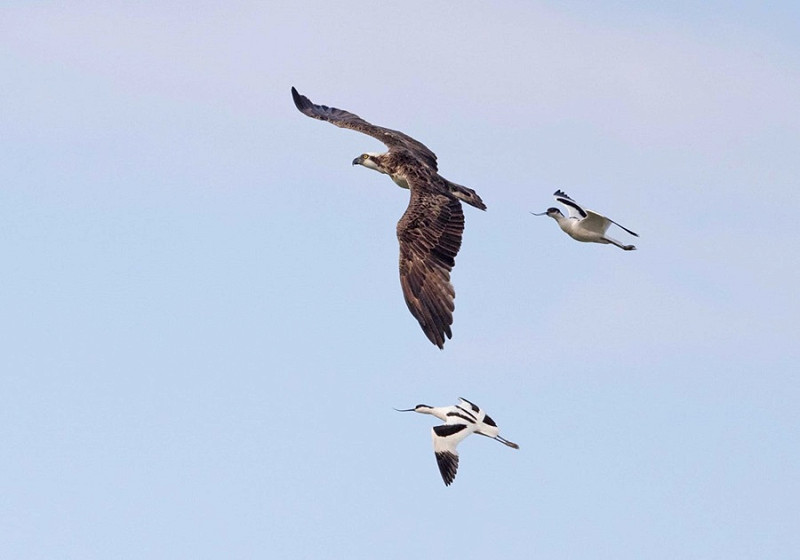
(370, 160)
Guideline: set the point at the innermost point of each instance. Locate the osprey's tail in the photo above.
(467, 195)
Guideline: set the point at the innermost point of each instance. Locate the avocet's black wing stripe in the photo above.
(446, 430)
(474, 406)
(488, 420)
(448, 465)
(462, 416)
(564, 199)
(467, 412)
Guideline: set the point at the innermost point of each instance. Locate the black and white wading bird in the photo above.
(460, 420)
(430, 230)
(584, 225)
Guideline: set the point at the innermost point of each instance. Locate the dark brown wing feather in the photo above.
(430, 237)
(392, 138)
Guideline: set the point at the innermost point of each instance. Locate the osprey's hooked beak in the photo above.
(357, 161)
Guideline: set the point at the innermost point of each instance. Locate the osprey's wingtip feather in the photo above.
(300, 101)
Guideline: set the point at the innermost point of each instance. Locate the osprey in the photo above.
(584, 225)
(429, 231)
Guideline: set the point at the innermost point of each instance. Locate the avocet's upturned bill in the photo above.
(582, 224)
(460, 420)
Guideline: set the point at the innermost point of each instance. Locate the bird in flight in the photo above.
(584, 225)
(429, 231)
(460, 420)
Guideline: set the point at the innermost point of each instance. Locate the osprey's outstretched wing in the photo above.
(393, 139)
(430, 236)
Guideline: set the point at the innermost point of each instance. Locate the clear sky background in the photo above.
(202, 333)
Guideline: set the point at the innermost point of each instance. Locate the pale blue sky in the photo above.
(202, 331)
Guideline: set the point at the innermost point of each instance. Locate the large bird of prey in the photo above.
(430, 230)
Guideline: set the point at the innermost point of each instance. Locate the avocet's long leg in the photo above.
(618, 244)
(623, 227)
(501, 440)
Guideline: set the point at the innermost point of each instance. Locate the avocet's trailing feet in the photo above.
(430, 230)
(584, 225)
(460, 420)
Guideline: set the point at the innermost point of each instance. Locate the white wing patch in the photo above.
(445, 440)
(575, 210)
(595, 222)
